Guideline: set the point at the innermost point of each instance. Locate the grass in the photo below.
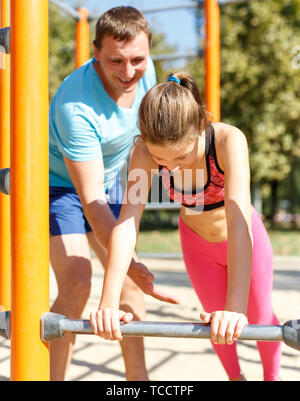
(284, 242)
(164, 240)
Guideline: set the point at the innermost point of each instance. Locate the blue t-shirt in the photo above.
(86, 124)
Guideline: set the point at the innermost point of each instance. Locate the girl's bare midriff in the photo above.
(209, 225)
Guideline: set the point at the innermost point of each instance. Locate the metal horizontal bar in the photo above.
(191, 5)
(69, 10)
(175, 56)
(162, 206)
(54, 325)
(175, 330)
(224, 2)
(171, 8)
(160, 255)
(5, 188)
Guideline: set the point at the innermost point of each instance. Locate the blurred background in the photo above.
(260, 94)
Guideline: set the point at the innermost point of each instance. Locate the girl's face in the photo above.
(177, 156)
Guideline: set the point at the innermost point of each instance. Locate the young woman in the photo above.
(226, 249)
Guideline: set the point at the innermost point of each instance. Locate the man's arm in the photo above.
(88, 179)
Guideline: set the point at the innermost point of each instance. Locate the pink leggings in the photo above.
(206, 265)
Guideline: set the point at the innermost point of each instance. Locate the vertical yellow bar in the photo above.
(212, 58)
(4, 163)
(29, 188)
(82, 38)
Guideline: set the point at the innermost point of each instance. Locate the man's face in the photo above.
(122, 64)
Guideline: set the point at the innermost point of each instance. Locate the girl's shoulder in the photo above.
(229, 140)
(224, 131)
(227, 134)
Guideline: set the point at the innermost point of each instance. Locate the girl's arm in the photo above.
(88, 179)
(233, 158)
(106, 321)
(238, 215)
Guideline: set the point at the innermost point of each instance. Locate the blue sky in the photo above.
(177, 25)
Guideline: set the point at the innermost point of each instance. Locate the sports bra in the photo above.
(209, 197)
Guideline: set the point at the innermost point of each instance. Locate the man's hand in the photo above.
(143, 278)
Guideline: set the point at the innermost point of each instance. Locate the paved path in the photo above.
(178, 359)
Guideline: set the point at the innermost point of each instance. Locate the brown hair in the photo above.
(170, 109)
(122, 23)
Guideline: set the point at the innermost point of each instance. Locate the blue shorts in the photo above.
(66, 214)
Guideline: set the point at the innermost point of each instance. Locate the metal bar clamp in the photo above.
(5, 40)
(5, 181)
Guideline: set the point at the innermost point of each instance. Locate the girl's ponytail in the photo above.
(171, 109)
(188, 82)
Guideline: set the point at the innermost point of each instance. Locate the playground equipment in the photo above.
(27, 184)
(54, 326)
(82, 31)
(5, 156)
(29, 195)
(82, 36)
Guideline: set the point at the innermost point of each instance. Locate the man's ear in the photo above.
(96, 52)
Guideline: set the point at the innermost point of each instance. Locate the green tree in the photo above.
(159, 47)
(260, 91)
(61, 47)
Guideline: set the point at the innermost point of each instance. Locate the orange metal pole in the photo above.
(29, 188)
(82, 38)
(4, 163)
(212, 58)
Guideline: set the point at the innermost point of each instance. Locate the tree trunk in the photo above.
(274, 195)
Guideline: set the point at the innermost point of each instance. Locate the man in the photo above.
(93, 120)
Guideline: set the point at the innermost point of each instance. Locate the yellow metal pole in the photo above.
(4, 163)
(212, 58)
(82, 38)
(29, 188)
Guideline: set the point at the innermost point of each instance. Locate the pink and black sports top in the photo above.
(209, 197)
